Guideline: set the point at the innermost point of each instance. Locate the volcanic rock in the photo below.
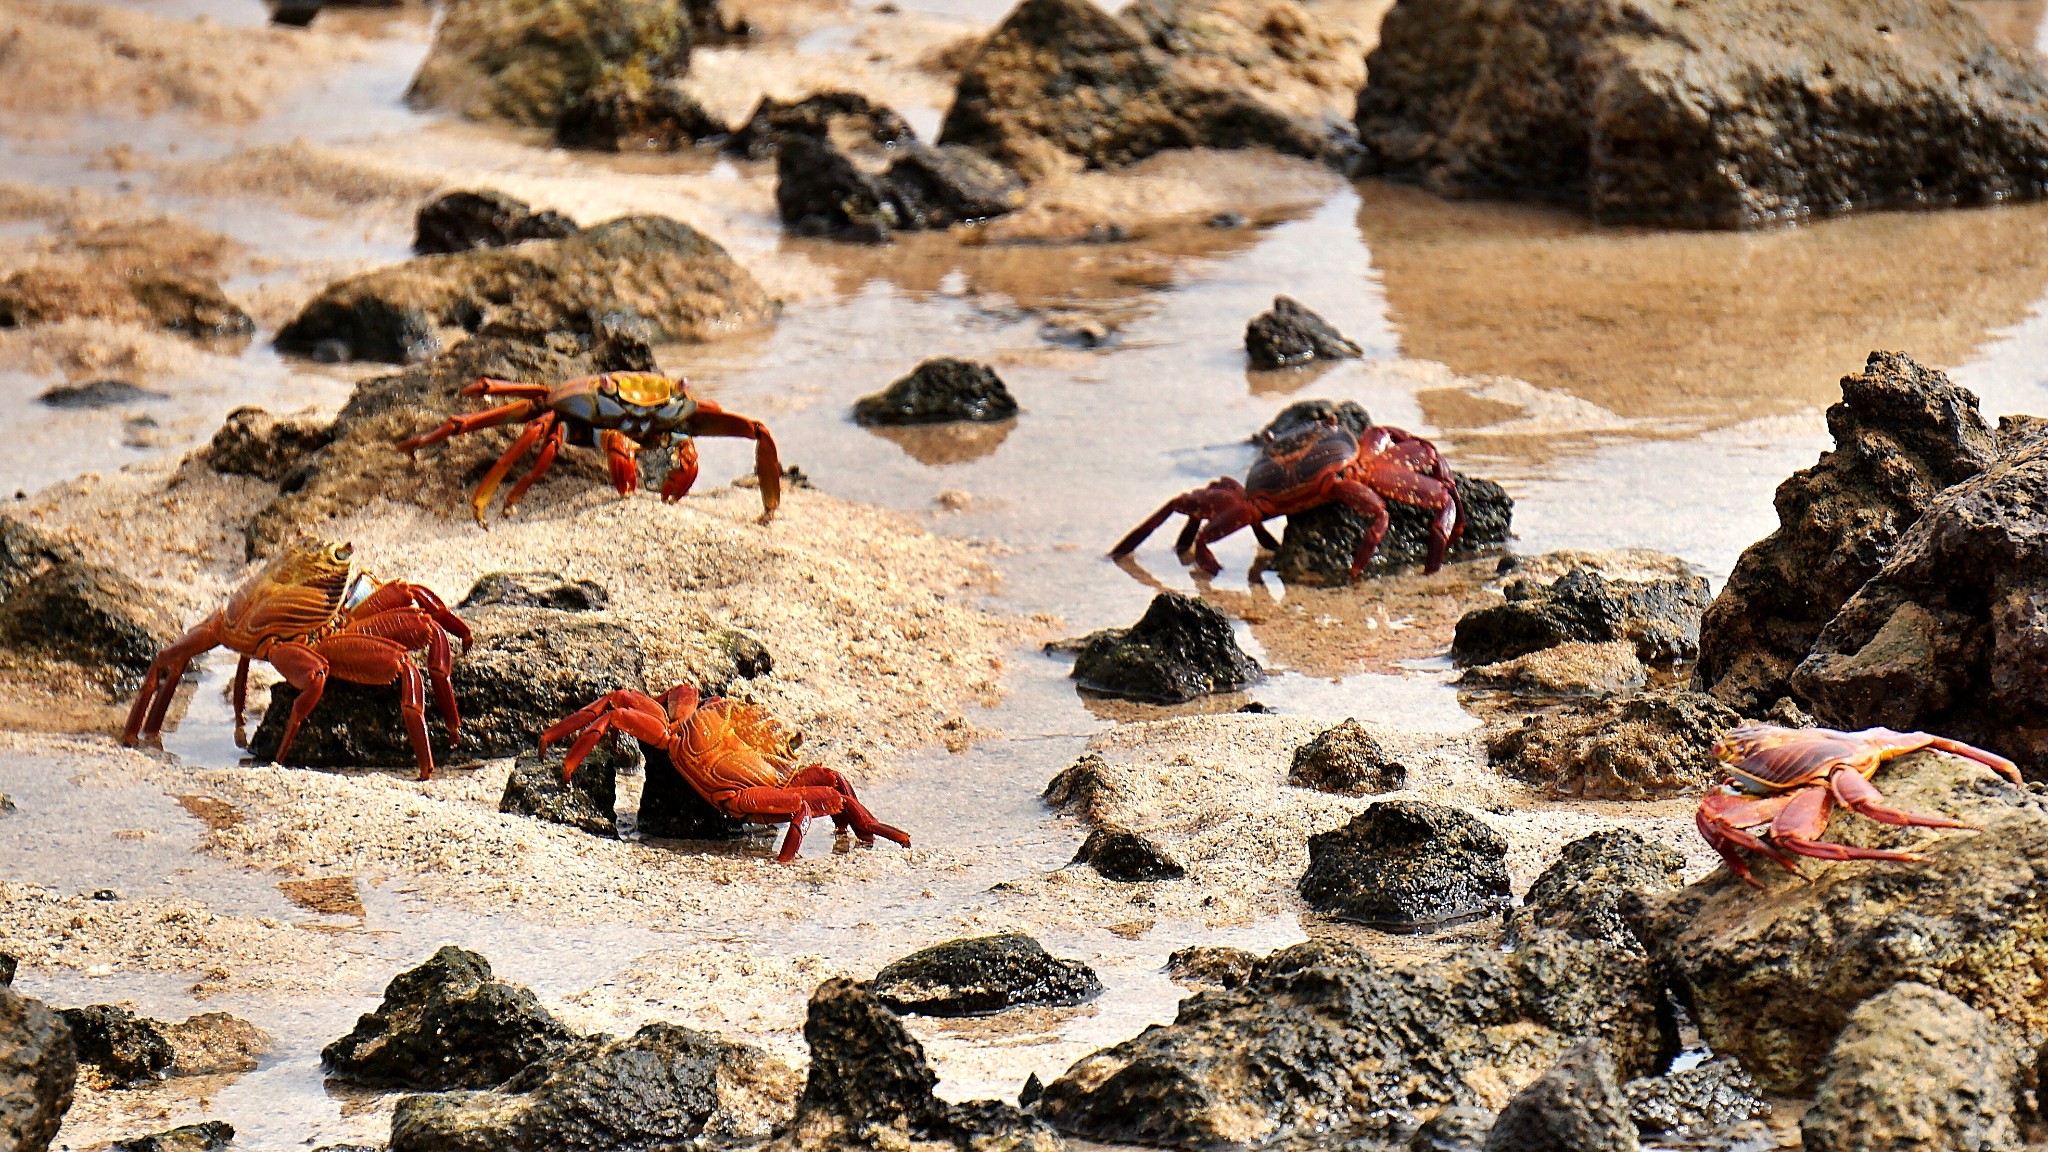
(1902, 433)
(252, 442)
(206, 1136)
(1212, 964)
(1407, 865)
(1571, 669)
(447, 1024)
(98, 394)
(525, 61)
(1318, 545)
(1574, 1107)
(1455, 1129)
(973, 977)
(1277, 50)
(537, 590)
(847, 119)
(1581, 892)
(1660, 617)
(1122, 855)
(460, 221)
(1637, 747)
(627, 110)
(1290, 335)
(1728, 115)
(1350, 413)
(129, 1049)
(182, 302)
(1914, 1068)
(213, 1044)
(1701, 1100)
(1346, 761)
(938, 187)
(1180, 649)
(821, 191)
(54, 604)
(671, 809)
(939, 390)
(38, 1067)
(587, 802)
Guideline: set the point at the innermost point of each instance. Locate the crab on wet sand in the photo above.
(620, 412)
(736, 756)
(1784, 784)
(1306, 467)
(308, 617)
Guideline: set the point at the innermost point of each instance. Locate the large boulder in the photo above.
(1406, 866)
(1180, 649)
(981, 975)
(1914, 1068)
(1318, 545)
(447, 1024)
(648, 272)
(1640, 747)
(38, 1067)
(525, 61)
(1725, 115)
(1283, 52)
(1771, 976)
(1324, 1038)
(1902, 434)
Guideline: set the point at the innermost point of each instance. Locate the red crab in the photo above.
(734, 754)
(621, 412)
(1308, 467)
(1785, 783)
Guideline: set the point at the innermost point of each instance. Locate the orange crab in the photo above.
(304, 615)
(1785, 782)
(737, 756)
(620, 412)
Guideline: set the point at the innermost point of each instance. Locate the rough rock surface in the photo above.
(252, 442)
(870, 1087)
(1574, 1107)
(1710, 116)
(1574, 668)
(1348, 761)
(525, 61)
(1180, 649)
(1581, 891)
(1637, 747)
(980, 975)
(1407, 865)
(1950, 635)
(1061, 84)
(1660, 617)
(181, 302)
(1350, 413)
(1914, 1068)
(664, 1087)
(938, 187)
(628, 110)
(1217, 965)
(206, 1136)
(848, 119)
(1966, 919)
(213, 1044)
(940, 389)
(129, 1049)
(1289, 335)
(649, 272)
(536, 590)
(1279, 50)
(588, 802)
(1703, 1099)
(460, 221)
(54, 604)
(821, 191)
(447, 1024)
(1326, 1038)
(1127, 856)
(1454, 1129)
(1902, 434)
(1317, 547)
(38, 1067)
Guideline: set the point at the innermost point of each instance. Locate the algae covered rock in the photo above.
(846, 119)
(1659, 617)
(1914, 1068)
(1574, 1107)
(1120, 854)
(1407, 865)
(1346, 761)
(1581, 891)
(587, 802)
(984, 974)
(1701, 1100)
(447, 1024)
(205, 1136)
(127, 1048)
(252, 442)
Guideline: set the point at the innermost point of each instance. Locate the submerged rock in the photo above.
(214, 1044)
(940, 389)
(182, 302)
(1215, 965)
(1317, 547)
(664, 1087)
(447, 1024)
(1729, 115)
(526, 61)
(1639, 747)
(460, 221)
(984, 974)
(1660, 617)
(1123, 855)
(1180, 649)
(678, 283)
(870, 1087)
(129, 1049)
(1290, 335)
(1574, 1107)
(207, 1136)
(1581, 891)
(848, 119)
(1903, 433)
(1346, 761)
(550, 590)
(1407, 865)
(588, 802)
(38, 1068)
(1703, 1099)
(1914, 1068)
(252, 442)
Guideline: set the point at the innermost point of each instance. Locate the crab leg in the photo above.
(492, 386)
(473, 421)
(415, 628)
(542, 461)
(1798, 829)
(488, 486)
(796, 805)
(711, 420)
(1991, 760)
(855, 815)
(621, 457)
(682, 470)
(1363, 500)
(241, 692)
(165, 673)
(1861, 796)
(1419, 491)
(1724, 818)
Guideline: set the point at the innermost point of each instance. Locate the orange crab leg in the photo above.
(1991, 760)
(473, 421)
(855, 816)
(1861, 796)
(711, 420)
(492, 386)
(241, 692)
(488, 486)
(1799, 827)
(542, 461)
(166, 671)
(1360, 497)
(1724, 818)
(621, 457)
(415, 628)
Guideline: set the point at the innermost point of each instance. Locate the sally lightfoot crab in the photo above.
(306, 616)
(620, 412)
(1784, 784)
(1317, 464)
(737, 756)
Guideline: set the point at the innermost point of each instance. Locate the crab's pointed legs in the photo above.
(1861, 796)
(241, 694)
(1991, 760)
(1725, 818)
(1363, 500)
(166, 671)
(488, 486)
(512, 413)
(1197, 505)
(622, 460)
(854, 815)
(711, 420)
(542, 461)
(1799, 827)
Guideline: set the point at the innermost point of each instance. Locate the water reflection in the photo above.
(956, 442)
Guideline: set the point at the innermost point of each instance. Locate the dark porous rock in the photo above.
(1727, 115)
(1902, 433)
(665, 1087)
(528, 668)
(1122, 855)
(59, 606)
(252, 442)
(206, 1136)
(1660, 617)
(938, 390)
(447, 1024)
(1212, 964)
(1640, 747)
(950, 184)
(983, 974)
(1290, 335)
(1348, 761)
(525, 61)
(1407, 866)
(537, 590)
(869, 1086)
(1699, 1101)
(1180, 649)
(587, 802)
(1574, 1107)
(1454, 1129)
(98, 394)
(460, 221)
(681, 283)
(1580, 893)
(1081, 788)
(38, 1069)
(1062, 84)
(821, 191)
(1951, 634)
(214, 1044)
(128, 1048)
(629, 111)
(672, 810)
(1966, 918)
(8, 962)
(1914, 1068)
(846, 118)
(1318, 545)
(1350, 413)
(1327, 1039)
